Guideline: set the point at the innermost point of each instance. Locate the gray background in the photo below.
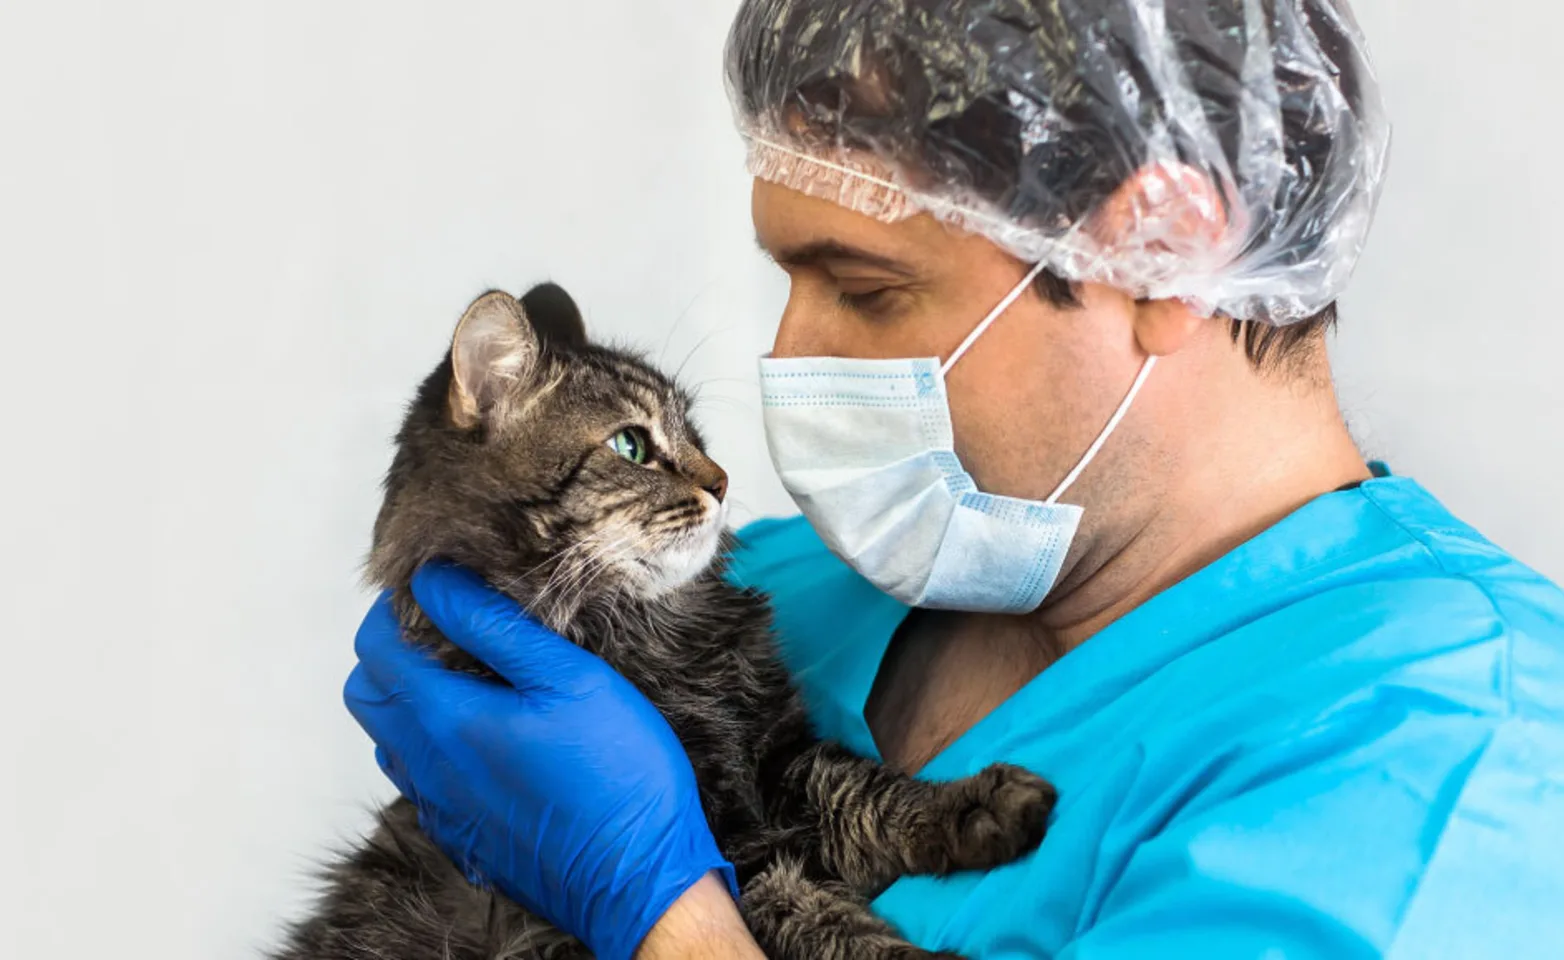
(232, 238)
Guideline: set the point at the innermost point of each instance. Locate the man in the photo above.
(1113, 530)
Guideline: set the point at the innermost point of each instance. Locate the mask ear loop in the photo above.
(988, 321)
(1113, 424)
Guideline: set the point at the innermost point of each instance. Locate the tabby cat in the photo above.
(569, 476)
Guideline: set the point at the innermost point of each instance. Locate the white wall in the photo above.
(1449, 354)
(234, 235)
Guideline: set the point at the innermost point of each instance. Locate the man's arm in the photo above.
(704, 924)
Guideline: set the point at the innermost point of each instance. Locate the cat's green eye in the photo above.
(633, 444)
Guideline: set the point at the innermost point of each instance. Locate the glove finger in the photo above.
(407, 750)
(493, 628)
(389, 660)
(430, 821)
(409, 703)
(396, 773)
(392, 673)
(368, 702)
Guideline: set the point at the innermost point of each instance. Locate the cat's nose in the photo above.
(716, 484)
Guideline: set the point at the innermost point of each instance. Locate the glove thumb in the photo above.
(493, 628)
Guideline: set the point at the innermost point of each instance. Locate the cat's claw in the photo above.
(998, 815)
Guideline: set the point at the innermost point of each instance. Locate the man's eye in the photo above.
(633, 444)
(863, 302)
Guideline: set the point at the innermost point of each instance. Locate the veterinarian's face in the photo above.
(1029, 397)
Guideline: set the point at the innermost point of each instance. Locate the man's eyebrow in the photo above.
(820, 251)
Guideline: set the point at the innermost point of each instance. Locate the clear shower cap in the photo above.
(1226, 152)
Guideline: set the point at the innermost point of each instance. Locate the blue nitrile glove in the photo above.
(564, 787)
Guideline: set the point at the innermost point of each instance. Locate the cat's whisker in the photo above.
(517, 583)
(564, 579)
(733, 403)
(610, 556)
(560, 557)
(711, 380)
(569, 577)
(563, 573)
(736, 505)
(579, 574)
(683, 315)
(699, 346)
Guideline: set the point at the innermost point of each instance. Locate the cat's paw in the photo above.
(997, 816)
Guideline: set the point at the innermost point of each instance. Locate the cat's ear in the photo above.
(555, 316)
(494, 347)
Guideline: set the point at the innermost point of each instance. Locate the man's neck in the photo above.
(1240, 486)
(946, 671)
(1251, 469)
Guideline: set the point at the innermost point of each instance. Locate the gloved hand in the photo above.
(564, 787)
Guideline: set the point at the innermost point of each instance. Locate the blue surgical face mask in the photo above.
(865, 448)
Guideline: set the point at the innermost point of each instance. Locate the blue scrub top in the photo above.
(1344, 739)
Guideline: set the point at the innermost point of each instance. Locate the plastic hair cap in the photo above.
(1229, 153)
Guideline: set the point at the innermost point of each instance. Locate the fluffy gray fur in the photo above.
(504, 465)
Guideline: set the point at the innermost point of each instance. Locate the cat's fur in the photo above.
(503, 467)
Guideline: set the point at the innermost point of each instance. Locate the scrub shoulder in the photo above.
(830, 623)
(767, 547)
(1385, 546)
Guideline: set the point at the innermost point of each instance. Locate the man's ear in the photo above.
(1164, 327)
(555, 316)
(1168, 208)
(1175, 214)
(494, 347)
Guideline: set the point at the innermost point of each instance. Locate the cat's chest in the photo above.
(721, 695)
(693, 688)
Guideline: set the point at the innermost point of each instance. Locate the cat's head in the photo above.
(562, 471)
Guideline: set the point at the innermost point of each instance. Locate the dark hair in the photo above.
(1267, 345)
